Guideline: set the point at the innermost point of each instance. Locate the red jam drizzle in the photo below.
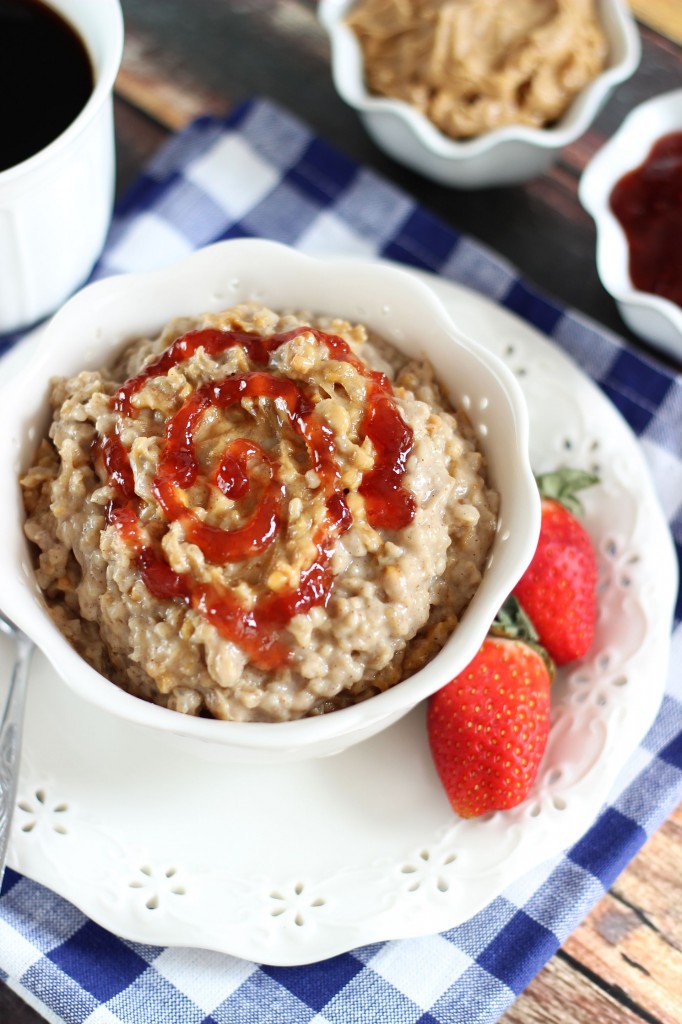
(248, 471)
(648, 204)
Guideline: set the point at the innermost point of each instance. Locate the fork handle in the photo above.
(11, 727)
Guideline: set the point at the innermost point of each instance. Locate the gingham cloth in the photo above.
(261, 173)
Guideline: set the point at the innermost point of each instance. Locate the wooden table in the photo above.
(184, 58)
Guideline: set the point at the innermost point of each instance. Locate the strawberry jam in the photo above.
(247, 471)
(648, 204)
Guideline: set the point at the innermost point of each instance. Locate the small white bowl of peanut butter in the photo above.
(474, 95)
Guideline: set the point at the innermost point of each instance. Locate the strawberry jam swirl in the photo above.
(247, 472)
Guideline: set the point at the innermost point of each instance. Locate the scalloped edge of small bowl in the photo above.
(503, 156)
(653, 318)
(121, 308)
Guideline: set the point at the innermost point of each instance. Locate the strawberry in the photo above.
(558, 590)
(488, 726)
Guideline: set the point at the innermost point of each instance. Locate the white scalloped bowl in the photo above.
(652, 317)
(504, 156)
(98, 321)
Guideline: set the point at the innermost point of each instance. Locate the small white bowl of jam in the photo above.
(633, 190)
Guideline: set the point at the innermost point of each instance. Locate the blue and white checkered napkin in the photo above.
(262, 173)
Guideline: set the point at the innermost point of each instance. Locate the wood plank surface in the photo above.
(624, 962)
(663, 15)
(654, 886)
(563, 994)
(152, 82)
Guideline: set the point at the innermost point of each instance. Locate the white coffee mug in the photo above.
(55, 206)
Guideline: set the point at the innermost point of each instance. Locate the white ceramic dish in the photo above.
(296, 863)
(92, 326)
(504, 156)
(653, 318)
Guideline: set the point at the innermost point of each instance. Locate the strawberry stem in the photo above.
(562, 484)
(513, 623)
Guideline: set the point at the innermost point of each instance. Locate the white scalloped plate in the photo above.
(293, 864)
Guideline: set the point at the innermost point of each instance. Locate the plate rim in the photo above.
(294, 951)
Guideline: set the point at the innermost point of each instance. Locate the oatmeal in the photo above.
(473, 65)
(258, 516)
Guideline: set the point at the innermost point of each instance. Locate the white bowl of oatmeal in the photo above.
(475, 94)
(267, 502)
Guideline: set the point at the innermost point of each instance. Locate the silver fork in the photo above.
(11, 728)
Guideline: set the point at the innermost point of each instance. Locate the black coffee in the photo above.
(45, 78)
